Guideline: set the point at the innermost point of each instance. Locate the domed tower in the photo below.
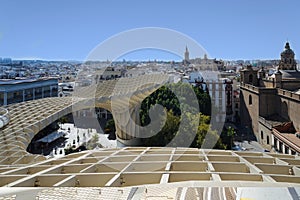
(287, 61)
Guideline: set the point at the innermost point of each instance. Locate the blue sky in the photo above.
(65, 29)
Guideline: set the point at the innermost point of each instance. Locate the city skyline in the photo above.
(69, 31)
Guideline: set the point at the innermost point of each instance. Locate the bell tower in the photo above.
(186, 54)
(287, 61)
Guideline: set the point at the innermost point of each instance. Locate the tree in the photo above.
(230, 134)
(166, 97)
(166, 134)
(202, 137)
(207, 138)
(180, 120)
(110, 126)
(93, 142)
(63, 120)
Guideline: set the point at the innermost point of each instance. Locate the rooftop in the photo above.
(136, 166)
(290, 74)
(18, 81)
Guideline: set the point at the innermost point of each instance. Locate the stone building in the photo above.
(204, 63)
(269, 105)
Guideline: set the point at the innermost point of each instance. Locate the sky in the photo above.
(71, 29)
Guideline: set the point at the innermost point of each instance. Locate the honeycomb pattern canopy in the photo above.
(139, 172)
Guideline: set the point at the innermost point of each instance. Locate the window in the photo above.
(46, 91)
(236, 105)
(268, 140)
(28, 94)
(250, 99)
(54, 92)
(1, 98)
(262, 135)
(18, 96)
(38, 93)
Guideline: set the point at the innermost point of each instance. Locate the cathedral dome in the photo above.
(287, 61)
(288, 50)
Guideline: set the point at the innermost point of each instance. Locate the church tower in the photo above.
(287, 61)
(186, 55)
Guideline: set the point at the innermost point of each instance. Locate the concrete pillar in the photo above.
(137, 118)
(284, 150)
(277, 145)
(23, 95)
(127, 131)
(272, 140)
(5, 99)
(290, 151)
(223, 93)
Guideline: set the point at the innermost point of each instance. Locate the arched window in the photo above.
(268, 140)
(251, 78)
(262, 135)
(250, 99)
